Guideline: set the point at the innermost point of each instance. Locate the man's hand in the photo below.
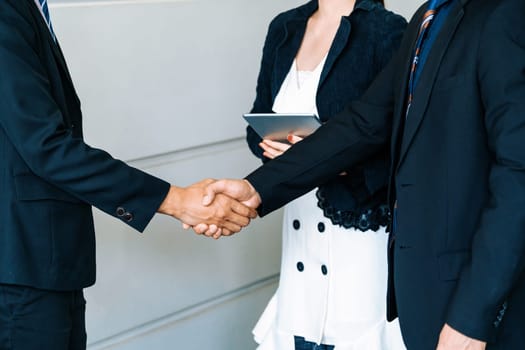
(240, 190)
(450, 339)
(186, 204)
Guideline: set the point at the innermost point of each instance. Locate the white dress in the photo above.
(333, 283)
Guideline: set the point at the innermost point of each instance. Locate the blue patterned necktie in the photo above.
(45, 11)
(423, 30)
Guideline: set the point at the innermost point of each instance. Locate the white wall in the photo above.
(404, 7)
(163, 85)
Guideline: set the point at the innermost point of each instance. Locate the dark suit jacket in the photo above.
(49, 177)
(458, 174)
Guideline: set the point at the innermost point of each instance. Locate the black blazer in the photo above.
(49, 177)
(458, 174)
(363, 45)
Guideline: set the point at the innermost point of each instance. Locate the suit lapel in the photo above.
(339, 43)
(46, 34)
(285, 53)
(428, 77)
(399, 113)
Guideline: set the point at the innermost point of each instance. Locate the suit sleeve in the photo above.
(376, 169)
(35, 126)
(359, 131)
(498, 247)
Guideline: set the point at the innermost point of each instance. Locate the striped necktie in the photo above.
(45, 11)
(423, 30)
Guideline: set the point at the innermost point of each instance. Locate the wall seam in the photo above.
(181, 315)
(179, 155)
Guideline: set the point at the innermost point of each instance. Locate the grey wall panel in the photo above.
(146, 277)
(226, 325)
(163, 75)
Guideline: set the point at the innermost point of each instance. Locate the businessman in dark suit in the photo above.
(49, 179)
(451, 106)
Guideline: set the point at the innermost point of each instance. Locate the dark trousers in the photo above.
(33, 319)
(302, 344)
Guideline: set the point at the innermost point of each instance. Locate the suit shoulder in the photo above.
(12, 6)
(383, 23)
(15, 15)
(302, 12)
(498, 17)
(380, 13)
(277, 22)
(276, 27)
(505, 20)
(392, 21)
(505, 11)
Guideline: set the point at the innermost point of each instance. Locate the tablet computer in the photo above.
(277, 126)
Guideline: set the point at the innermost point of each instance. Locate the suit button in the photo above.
(128, 217)
(321, 227)
(296, 224)
(324, 270)
(300, 266)
(121, 211)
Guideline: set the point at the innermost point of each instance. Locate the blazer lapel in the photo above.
(428, 77)
(285, 54)
(44, 31)
(339, 43)
(399, 109)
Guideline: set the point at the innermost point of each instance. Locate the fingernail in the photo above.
(290, 138)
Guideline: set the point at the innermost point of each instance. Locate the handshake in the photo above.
(214, 208)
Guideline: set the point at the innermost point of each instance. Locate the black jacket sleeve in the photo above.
(498, 247)
(34, 124)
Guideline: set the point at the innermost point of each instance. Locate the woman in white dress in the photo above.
(332, 290)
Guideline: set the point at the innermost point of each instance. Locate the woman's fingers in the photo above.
(293, 139)
(279, 146)
(270, 152)
(273, 149)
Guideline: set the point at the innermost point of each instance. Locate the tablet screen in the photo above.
(277, 126)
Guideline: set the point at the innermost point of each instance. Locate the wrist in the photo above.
(169, 205)
(256, 198)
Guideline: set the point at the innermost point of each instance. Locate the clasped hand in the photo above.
(217, 213)
(219, 208)
(240, 190)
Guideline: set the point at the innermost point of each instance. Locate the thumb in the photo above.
(211, 190)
